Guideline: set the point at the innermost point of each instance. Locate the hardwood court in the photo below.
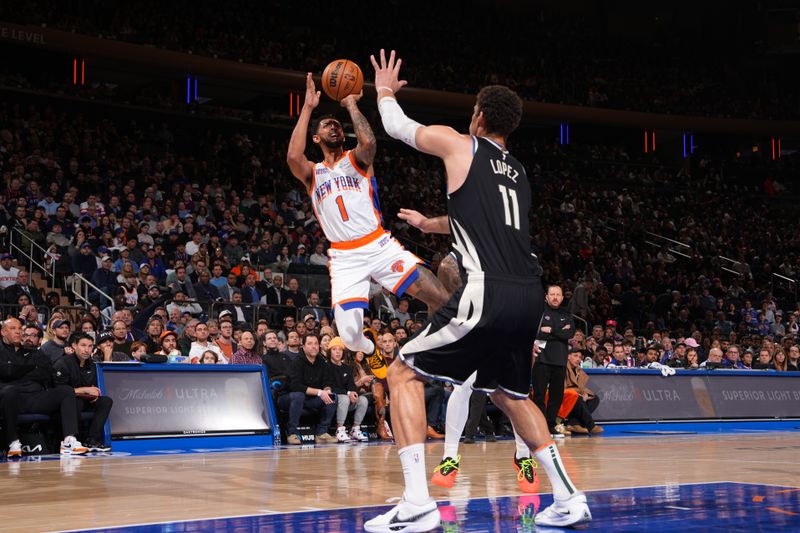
(95, 492)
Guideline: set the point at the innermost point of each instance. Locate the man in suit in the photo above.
(250, 292)
(383, 304)
(240, 312)
(276, 295)
(22, 286)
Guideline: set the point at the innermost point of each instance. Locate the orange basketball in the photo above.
(342, 78)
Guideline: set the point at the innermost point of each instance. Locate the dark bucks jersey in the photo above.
(489, 215)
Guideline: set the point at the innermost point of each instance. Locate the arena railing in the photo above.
(80, 289)
(274, 314)
(34, 254)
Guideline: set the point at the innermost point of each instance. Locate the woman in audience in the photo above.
(248, 352)
(779, 360)
(324, 344)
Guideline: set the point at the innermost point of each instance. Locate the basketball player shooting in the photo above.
(490, 323)
(344, 195)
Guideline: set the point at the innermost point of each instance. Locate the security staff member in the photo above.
(549, 370)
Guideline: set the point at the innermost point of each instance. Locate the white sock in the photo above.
(413, 460)
(522, 448)
(350, 324)
(549, 458)
(456, 417)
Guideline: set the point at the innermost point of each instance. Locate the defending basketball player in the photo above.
(489, 324)
(444, 475)
(343, 194)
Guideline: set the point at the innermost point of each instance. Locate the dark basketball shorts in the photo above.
(488, 326)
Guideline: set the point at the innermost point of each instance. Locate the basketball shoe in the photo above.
(445, 474)
(14, 450)
(565, 513)
(406, 517)
(526, 475)
(72, 446)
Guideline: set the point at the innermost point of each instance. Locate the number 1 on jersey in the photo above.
(507, 193)
(342, 210)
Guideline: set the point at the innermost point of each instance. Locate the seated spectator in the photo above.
(764, 361)
(618, 358)
(54, 348)
(692, 359)
(293, 346)
(239, 313)
(733, 358)
(247, 352)
(152, 338)
(105, 279)
(169, 345)
(78, 371)
(209, 357)
(139, 349)
(714, 359)
(120, 332)
(105, 351)
(22, 287)
(793, 363)
(309, 390)
(347, 396)
(24, 388)
(183, 305)
(579, 420)
(203, 344)
(225, 340)
(8, 272)
(779, 361)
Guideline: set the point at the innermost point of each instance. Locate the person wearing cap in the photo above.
(579, 420)
(105, 280)
(84, 262)
(104, 349)
(169, 345)
(8, 272)
(347, 397)
(54, 348)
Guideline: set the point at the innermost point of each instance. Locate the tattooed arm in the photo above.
(365, 151)
(448, 274)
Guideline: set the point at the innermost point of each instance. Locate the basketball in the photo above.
(342, 78)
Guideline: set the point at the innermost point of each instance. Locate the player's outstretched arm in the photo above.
(425, 224)
(441, 141)
(364, 152)
(301, 167)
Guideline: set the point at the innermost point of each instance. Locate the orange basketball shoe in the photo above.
(445, 474)
(526, 475)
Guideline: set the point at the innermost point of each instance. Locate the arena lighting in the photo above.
(294, 104)
(191, 95)
(564, 129)
(688, 150)
(75, 71)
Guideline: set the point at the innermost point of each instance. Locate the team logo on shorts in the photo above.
(398, 266)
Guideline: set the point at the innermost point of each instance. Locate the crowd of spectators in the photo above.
(208, 249)
(577, 58)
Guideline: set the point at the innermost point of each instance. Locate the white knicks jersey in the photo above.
(345, 200)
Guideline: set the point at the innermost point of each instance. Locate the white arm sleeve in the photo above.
(396, 123)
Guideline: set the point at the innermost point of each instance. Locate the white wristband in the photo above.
(319, 392)
(384, 87)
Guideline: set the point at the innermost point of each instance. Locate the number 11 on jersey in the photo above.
(343, 211)
(512, 213)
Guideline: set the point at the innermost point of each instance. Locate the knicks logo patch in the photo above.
(398, 266)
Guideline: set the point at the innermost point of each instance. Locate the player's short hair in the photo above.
(323, 118)
(501, 108)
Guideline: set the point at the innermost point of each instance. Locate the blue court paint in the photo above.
(706, 507)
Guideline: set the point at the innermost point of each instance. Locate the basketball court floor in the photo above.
(746, 481)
